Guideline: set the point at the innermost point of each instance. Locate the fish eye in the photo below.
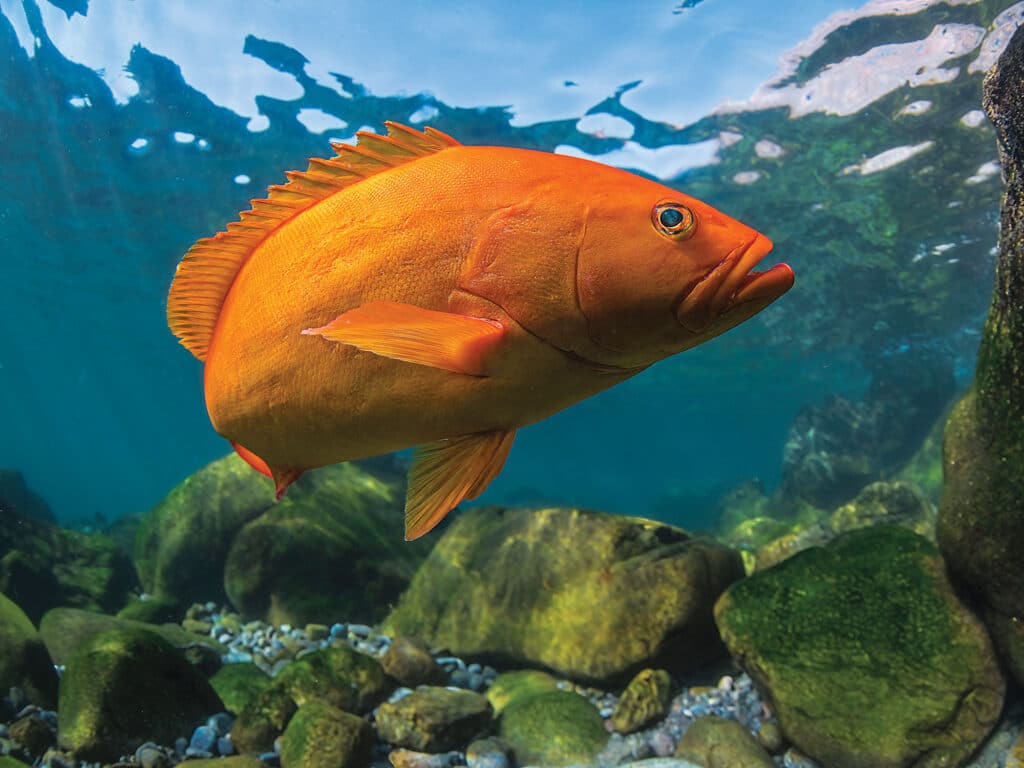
(674, 220)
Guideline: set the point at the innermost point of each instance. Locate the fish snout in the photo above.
(731, 292)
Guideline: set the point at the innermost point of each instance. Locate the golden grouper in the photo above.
(412, 291)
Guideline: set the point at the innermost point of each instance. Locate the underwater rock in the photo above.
(235, 761)
(262, 720)
(334, 546)
(239, 684)
(432, 719)
(719, 742)
(322, 736)
(981, 518)
(510, 686)
(592, 596)
(895, 502)
(865, 654)
(17, 497)
(336, 675)
(125, 687)
(409, 662)
(43, 566)
(799, 538)
(553, 728)
(491, 752)
(24, 662)
(647, 698)
(33, 734)
(65, 629)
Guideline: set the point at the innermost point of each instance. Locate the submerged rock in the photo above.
(239, 684)
(17, 497)
(126, 687)
(409, 662)
(510, 686)
(336, 675)
(24, 661)
(647, 698)
(865, 654)
(896, 502)
(553, 728)
(322, 736)
(262, 720)
(592, 596)
(432, 719)
(981, 518)
(718, 742)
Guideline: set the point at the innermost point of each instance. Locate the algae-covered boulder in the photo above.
(262, 720)
(895, 502)
(43, 566)
(521, 684)
(336, 675)
(865, 654)
(981, 518)
(235, 761)
(647, 698)
(65, 629)
(125, 687)
(239, 684)
(718, 742)
(322, 736)
(24, 662)
(334, 546)
(433, 719)
(590, 595)
(553, 728)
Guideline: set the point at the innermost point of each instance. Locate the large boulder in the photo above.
(126, 687)
(865, 654)
(333, 547)
(24, 662)
(981, 518)
(43, 566)
(595, 597)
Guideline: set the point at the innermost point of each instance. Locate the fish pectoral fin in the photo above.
(282, 477)
(446, 472)
(445, 340)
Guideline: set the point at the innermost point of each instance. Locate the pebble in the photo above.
(221, 723)
(203, 739)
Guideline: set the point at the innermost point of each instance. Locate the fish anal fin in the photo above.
(446, 472)
(282, 477)
(457, 343)
(206, 273)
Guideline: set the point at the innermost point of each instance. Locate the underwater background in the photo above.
(852, 137)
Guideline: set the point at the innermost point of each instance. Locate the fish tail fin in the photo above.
(282, 477)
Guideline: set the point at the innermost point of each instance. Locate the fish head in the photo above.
(659, 272)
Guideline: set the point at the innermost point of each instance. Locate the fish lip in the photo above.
(731, 284)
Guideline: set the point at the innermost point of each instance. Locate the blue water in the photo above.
(110, 174)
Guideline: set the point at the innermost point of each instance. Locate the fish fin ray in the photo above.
(252, 459)
(282, 477)
(457, 343)
(446, 472)
(207, 271)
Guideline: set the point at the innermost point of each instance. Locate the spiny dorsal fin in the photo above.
(206, 272)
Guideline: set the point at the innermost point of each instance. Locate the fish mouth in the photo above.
(732, 292)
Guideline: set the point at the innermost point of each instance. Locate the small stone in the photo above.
(716, 742)
(410, 663)
(338, 630)
(225, 746)
(647, 698)
(407, 758)
(488, 753)
(317, 632)
(770, 737)
(796, 759)
(221, 723)
(433, 719)
(197, 627)
(33, 734)
(360, 630)
(149, 755)
(57, 759)
(203, 739)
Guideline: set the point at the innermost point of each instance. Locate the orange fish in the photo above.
(412, 291)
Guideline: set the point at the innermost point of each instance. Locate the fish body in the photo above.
(417, 292)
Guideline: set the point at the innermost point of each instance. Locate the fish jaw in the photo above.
(732, 292)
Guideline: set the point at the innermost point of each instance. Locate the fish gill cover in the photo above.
(865, 157)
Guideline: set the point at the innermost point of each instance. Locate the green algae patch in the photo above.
(322, 736)
(512, 686)
(125, 687)
(239, 684)
(553, 728)
(591, 596)
(336, 675)
(865, 654)
(24, 661)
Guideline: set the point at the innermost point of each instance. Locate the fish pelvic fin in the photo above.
(206, 273)
(457, 343)
(282, 477)
(446, 472)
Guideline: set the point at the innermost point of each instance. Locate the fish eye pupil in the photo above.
(671, 218)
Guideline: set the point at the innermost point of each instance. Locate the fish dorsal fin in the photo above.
(207, 271)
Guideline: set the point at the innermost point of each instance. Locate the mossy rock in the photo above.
(181, 545)
(43, 566)
(6, 761)
(882, 502)
(127, 686)
(152, 610)
(24, 661)
(718, 742)
(409, 662)
(336, 675)
(433, 719)
(553, 728)
(865, 654)
(334, 546)
(65, 629)
(799, 538)
(322, 736)
(262, 720)
(235, 761)
(521, 684)
(592, 596)
(239, 684)
(647, 698)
